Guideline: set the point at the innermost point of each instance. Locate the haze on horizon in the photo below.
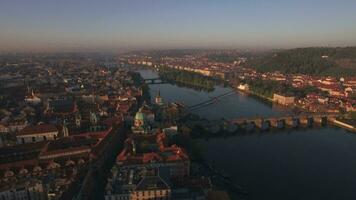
(91, 25)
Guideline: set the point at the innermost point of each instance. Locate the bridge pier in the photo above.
(277, 123)
(262, 124)
(292, 122)
(214, 129)
(249, 126)
(231, 128)
(323, 120)
(306, 121)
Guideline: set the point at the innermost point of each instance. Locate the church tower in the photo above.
(139, 118)
(158, 99)
(65, 131)
(93, 118)
(78, 120)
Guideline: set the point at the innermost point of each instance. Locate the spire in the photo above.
(93, 118)
(78, 119)
(159, 98)
(64, 128)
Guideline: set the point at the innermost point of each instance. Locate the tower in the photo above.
(78, 120)
(140, 126)
(93, 118)
(158, 99)
(133, 147)
(65, 131)
(139, 119)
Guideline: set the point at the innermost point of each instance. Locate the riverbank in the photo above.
(344, 125)
(296, 109)
(186, 78)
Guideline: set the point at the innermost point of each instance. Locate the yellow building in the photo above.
(284, 100)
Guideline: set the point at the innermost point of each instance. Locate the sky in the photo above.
(120, 25)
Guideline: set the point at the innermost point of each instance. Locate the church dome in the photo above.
(140, 115)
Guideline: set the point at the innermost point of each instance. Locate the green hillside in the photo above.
(314, 61)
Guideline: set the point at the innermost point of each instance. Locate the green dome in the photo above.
(139, 115)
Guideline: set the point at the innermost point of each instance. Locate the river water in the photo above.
(318, 163)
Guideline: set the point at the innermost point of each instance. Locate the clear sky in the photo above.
(71, 25)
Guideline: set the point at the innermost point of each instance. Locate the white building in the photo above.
(33, 99)
(37, 133)
(284, 100)
(243, 87)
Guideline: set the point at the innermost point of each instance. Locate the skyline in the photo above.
(156, 24)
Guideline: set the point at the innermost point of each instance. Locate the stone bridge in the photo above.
(292, 121)
(154, 81)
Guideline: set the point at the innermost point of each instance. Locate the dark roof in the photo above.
(62, 105)
(22, 148)
(38, 129)
(66, 143)
(20, 152)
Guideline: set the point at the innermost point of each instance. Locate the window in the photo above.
(44, 137)
(33, 139)
(23, 140)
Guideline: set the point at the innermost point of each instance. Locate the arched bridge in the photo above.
(154, 81)
(307, 119)
(266, 123)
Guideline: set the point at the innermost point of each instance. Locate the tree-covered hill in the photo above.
(316, 61)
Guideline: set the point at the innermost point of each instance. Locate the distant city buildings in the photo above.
(340, 92)
(63, 117)
(57, 119)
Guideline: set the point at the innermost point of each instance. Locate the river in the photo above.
(318, 163)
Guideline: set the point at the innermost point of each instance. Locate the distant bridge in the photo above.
(209, 101)
(154, 81)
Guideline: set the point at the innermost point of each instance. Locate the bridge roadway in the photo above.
(260, 123)
(306, 119)
(154, 81)
(209, 101)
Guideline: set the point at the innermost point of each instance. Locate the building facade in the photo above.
(283, 100)
(37, 133)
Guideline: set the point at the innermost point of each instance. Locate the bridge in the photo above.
(267, 123)
(209, 101)
(263, 123)
(154, 81)
(292, 121)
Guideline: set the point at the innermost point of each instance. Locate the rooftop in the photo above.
(38, 129)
